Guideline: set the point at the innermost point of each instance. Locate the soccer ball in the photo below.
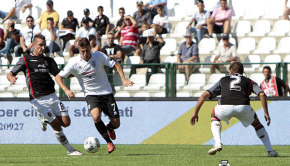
(92, 144)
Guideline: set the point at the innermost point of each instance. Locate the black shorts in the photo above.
(164, 31)
(106, 103)
(218, 28)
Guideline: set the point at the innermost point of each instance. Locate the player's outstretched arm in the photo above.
(11, 78)
(200, 102)
(263, 98)
(61, 84)
(122, 75)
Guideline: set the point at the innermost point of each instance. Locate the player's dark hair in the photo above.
(49, 19)
(29, 17)
(100, 7)
(267, 67)
(160, 7)
(91, 37)
(237, 67)
(223, 0)
(84, 42)
(200, 1)
(38, 37)
(121, 8)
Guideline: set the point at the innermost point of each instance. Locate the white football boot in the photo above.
(273, 154)
(74, 153)
(216, 148)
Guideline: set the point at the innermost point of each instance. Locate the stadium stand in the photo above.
(258, 31)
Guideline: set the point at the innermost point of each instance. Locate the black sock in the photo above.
(110, 127)
(103, 130)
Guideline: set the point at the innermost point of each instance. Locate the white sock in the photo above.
(63, 140)
(216, 131)
(263, 135)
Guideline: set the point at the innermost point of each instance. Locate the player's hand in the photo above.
(128, 83)
(194, 119)
(13, 80)
(267, 117)
(69, 94)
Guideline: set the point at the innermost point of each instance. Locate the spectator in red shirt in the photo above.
(220, 20)
(129, 36)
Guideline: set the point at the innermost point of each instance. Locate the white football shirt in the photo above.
(91, 75)
(28, 34)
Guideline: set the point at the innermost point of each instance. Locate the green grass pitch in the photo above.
(152, 155)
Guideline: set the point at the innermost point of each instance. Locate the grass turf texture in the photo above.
(142, 155)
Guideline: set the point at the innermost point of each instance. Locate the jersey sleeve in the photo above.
(107, 60)
(256, 88)
(68, 69)
(215, 90)
(53, 68)
(20, 66)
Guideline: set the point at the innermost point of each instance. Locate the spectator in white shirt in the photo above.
(199, 18)
(227, 52)
(160, 22)
(51, 35)
(84, 31)
(26, 37)
(15, 10)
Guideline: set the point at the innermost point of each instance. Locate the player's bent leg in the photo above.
(114, 124)
(60, 136)
(64, 120)
(216, 132)
(96, 115)
(263, 135)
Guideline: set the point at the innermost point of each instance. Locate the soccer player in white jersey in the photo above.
(88, 68)
(235, 102)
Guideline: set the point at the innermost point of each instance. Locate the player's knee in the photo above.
(117, 125)
(66, 124)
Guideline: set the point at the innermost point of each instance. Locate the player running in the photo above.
(37, 70)
(235, 102)
(88, 68)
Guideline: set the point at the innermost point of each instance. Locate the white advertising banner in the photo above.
(19, 123)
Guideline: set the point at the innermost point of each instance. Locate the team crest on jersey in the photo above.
(94, 64)
(45, 63)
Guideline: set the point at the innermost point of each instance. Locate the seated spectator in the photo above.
(50, 12)
(129, 36)
(220, 20)
(101, 23)
(150, 54)
(95, 46)
(51, 35)
(273, 85)
(226, 52)
(286, 12)
(142, 15)
(199, 18)
(142, 39)
(152, 6)
(2, 42)
(117, 29)
(113, 50)
(87, 17)
(20, 5)
(160, 22)
(10, 41)
(187, 53)
(26, 37)
(84, 31)
(69, 24)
